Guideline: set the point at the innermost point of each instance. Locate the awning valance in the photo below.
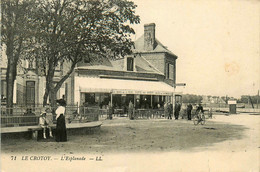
(120, 86)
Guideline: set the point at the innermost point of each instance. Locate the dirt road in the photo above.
(225, 143)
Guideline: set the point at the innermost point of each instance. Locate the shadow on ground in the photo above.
(124, 135)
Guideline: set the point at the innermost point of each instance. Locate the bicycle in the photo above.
(199, 118)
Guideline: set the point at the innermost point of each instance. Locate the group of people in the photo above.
(46, 120)
(168, 110)
(189, 109)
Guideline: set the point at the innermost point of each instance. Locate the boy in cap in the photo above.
(45, 120)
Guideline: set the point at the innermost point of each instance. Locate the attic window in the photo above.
(130, 64)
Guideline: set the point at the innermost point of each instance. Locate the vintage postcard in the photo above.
(130, 85)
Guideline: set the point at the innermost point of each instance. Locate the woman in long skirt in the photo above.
(61, 133)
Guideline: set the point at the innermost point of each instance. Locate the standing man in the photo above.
(110, 110)
(177, 110)
(131, 110)
(170, 110)
(189, 109)
(165, 110)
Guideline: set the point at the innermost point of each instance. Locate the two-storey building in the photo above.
(147, 78)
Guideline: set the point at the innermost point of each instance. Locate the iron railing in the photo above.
(29, 116)
(149, 113)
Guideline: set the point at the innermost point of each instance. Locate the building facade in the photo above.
(30, 83)
(146, 78)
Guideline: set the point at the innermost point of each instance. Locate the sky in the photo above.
(217, 42)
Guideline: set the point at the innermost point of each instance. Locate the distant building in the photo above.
(29, 86)
(212, 100)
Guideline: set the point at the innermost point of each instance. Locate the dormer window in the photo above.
(130, 64)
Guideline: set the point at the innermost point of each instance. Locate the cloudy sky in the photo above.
(217, 42)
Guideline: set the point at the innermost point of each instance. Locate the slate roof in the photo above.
(159, 47)
(141, 65)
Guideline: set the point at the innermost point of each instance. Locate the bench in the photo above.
(35, 129)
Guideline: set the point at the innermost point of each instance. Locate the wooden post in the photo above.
(34, 134)
(151, 101)
(173, 103)
(134, 100)
(111, 99)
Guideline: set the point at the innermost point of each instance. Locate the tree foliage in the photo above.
(71, 30)
(245, 99)
(15, 33)
(191, 98)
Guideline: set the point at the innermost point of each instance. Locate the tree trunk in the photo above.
(49, 83)
(52, 97)
(45, 97)
(11, 71)
(10, 78)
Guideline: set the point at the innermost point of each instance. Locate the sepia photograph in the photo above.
(130, 85)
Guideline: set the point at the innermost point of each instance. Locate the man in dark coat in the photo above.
(200, 109)
(170, 111)
(177, 110)
(189, 109)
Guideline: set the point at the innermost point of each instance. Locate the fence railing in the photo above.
(15, 121)
(149, 113)
(28, 116)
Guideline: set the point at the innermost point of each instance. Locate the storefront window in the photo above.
(97, 99)
(90, 98)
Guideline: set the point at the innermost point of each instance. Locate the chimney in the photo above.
(149, 36)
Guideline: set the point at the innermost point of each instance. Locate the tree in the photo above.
(70, 30)
(191, 98)
(15, 33)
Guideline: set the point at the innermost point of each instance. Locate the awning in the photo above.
(120, 86)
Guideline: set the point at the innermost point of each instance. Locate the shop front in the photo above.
(100, 92)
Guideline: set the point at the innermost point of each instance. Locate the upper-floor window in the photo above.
(130, 64)
(170, 71)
